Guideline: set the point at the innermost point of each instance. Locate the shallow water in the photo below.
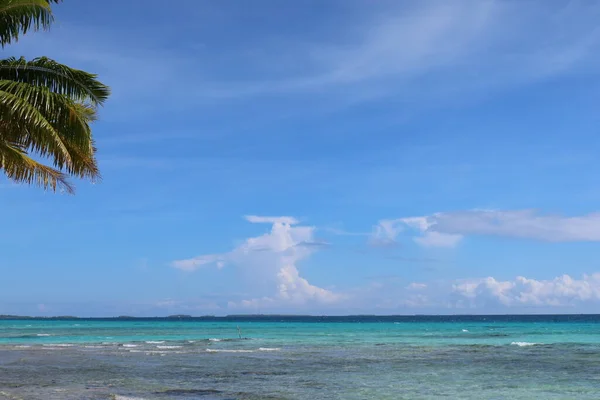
(311, 358)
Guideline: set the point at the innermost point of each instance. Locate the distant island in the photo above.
(120, 317)
(170, 317)
(320, 318)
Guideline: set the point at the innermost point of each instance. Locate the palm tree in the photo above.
(46, 108)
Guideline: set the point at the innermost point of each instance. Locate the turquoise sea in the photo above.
(458, 357)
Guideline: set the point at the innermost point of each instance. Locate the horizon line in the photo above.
(231, 316)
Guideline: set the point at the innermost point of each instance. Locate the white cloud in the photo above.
(195, 263)
(479, 44)
(270, 261)
(433, 50)
(437, 239)
(387, 231)
(255, 219)
(521, 223)
(479, 295)
(417, 286)
(560, 291)
(447, 229)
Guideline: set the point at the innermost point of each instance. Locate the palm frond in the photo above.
(73, 125)
(28, 112)
(83, 164)
(71, 122)
(46, 108)
(78, 85)
(17, 17)
(19, 167)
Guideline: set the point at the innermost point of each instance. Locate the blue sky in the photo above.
(335, 157)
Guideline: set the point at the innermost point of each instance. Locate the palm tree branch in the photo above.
(23, 110)
(59, 78)
(18, 166)
(20, 16)
(71, 121)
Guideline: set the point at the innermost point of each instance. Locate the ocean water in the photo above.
(493, 357)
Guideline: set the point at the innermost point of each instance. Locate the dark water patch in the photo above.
(264, 373)
(24, 336)
(189, 392)
(463, 335)
(253, 396)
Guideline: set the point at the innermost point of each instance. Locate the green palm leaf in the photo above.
(17, 110)
(46, 108)
(70, 145)
(17, 17)
(19, 167)
(42, 71)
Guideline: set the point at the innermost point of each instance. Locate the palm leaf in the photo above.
(17, 139)
(19, 167)
(17, 17)
(78, 85)
(70, 121)
(24, 108)
(74, 130)
(45, 107)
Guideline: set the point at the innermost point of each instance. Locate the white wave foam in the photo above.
(523, 344)
(58, 345)
(269, 349)
(214, 340)
(93, 347)
(23, 346)
(228, 351)
(155, 341)
(168, 347)
(465, 330)
(43, 334)
(191, 341)
(118, 397)
(130, 345)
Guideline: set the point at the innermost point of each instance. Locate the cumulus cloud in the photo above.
(560, 291)
(447, 229)
(269, 265)
(271, 260)
(481, 295)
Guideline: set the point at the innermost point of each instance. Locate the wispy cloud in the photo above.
(192, 264)
(447, 229)
(417, 51)
(409, 48)
(386, 232)
(417, 286)
(342, 232)
(271, 220)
